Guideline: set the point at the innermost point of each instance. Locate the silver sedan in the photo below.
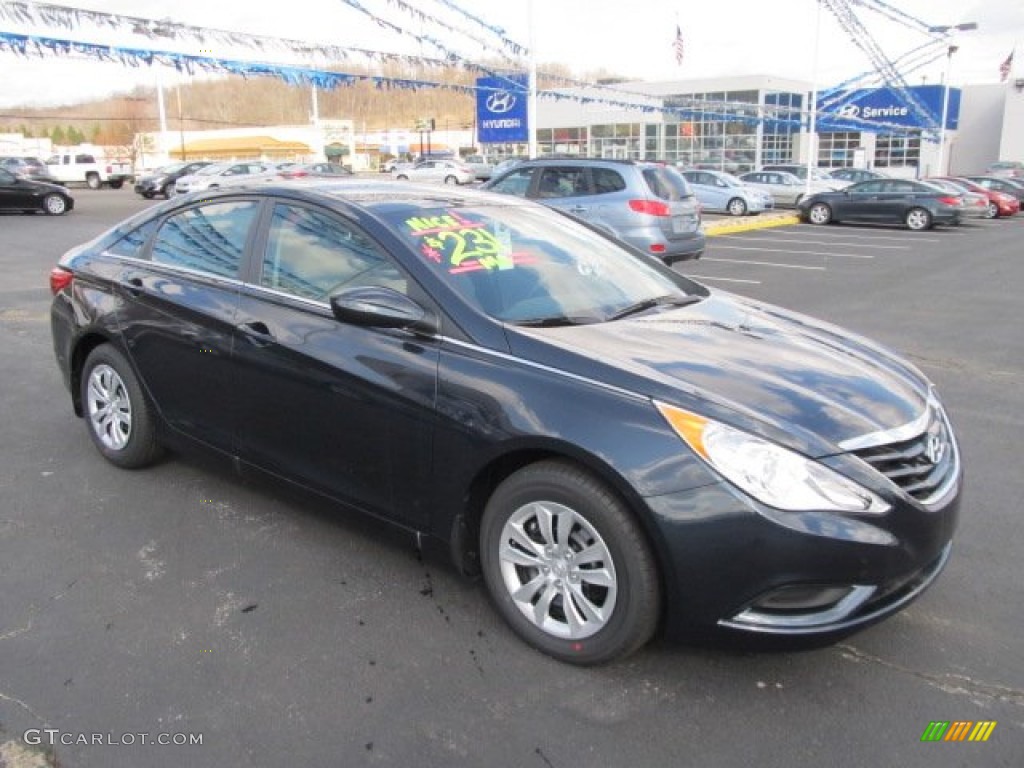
(436, 171)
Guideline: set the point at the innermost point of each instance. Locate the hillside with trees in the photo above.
(235, 101)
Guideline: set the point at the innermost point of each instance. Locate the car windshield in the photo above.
(531, 266)
(173, 168)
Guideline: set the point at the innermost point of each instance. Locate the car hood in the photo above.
(798, 381)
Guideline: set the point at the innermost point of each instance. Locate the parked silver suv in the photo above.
(648, 205)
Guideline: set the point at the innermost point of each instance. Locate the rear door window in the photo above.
(607, 180)
(208, 238)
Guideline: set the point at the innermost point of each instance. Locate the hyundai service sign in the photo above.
(501, 104)
(882, 106)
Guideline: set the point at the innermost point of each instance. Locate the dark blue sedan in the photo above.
(615, 448)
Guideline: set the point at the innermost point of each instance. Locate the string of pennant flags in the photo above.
(687, 108)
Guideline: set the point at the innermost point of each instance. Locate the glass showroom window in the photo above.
(835, 150)
(896, 150)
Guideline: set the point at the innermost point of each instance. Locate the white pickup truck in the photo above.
(88, 169)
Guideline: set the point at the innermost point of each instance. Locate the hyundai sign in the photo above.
(501, 104)
(884, 107)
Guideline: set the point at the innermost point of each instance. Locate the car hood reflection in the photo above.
(807, 381)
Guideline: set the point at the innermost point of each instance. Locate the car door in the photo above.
(343, 409)
(178, 313)
(14, 193)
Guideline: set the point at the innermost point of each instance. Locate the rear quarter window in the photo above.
(666, 183)
(607, 181)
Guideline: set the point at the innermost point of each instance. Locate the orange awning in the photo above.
(241, 146)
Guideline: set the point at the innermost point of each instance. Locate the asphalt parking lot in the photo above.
(182, 600)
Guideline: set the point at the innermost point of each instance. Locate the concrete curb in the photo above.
(761, 221)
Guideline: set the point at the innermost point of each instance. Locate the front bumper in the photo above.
(731, 565)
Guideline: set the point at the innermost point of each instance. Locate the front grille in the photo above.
(920, 465)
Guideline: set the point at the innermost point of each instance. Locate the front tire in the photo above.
(736, 207)
(819, 213)
(168, 190)
(118, 416)
(567, 565)
(918, 219)
(55, 205)
(450, 180)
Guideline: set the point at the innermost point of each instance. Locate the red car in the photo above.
(999, 203)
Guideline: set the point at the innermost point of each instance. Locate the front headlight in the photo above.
(773, 475)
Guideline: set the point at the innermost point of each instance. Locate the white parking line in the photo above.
(812, 242)
(764, 263)
(722, 279)
(810, 229)
(798, 253)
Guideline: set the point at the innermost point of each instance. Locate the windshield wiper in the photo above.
(556, 321)
(657, 301)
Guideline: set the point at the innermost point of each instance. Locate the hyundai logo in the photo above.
(934, 449)
(849, 110)
(500, 102)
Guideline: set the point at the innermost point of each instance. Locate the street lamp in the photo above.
(948, 30)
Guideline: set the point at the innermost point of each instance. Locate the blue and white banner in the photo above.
(859, 109)
(501, 109)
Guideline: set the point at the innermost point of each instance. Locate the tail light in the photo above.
(60, 279)
(650, 207)
(110, 169)
(951, 201)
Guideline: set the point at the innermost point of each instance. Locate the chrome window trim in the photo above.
(176, 268)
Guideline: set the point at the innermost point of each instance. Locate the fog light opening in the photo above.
(803, 605)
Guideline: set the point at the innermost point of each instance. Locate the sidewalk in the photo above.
(727, 226)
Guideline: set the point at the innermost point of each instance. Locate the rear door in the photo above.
(568, 188)
(178, 311)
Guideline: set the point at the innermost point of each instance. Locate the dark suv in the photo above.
(29, 168)
(161, 181)
(648, 205)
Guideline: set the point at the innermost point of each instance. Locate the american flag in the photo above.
(1005, 67)
(677, 46)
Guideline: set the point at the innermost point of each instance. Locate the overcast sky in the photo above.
(771, 37)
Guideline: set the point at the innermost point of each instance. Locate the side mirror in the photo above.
(379, 307)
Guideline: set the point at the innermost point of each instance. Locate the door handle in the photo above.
(133, 285)
(577, 209)
(257, 332)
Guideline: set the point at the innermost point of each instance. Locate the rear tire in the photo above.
(991, 211)
(116, 184)
(567, 565)
(119, 418)
(92, 180)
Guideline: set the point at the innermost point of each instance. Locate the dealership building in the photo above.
(740, 123)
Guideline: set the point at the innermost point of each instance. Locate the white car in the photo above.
(720, 191)
(785, 188)
(437, 171)
(225, 175)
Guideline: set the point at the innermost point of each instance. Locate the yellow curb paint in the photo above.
(727, 228)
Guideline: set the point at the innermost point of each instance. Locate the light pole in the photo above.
(949, 30)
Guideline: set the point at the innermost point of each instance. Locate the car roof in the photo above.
(373, 195)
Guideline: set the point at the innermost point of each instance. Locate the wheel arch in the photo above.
(463, 535)
(79, 353)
